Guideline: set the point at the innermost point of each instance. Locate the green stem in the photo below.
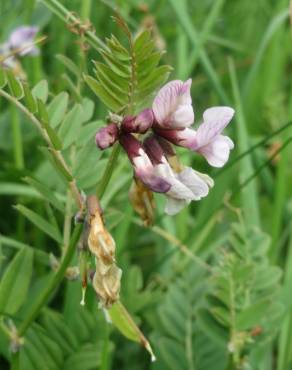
(230, 365)
(15, 361)
(85, 9)
(104, 365)
(58, 156)
(63, 13)
(108, 171)
(55, 281)
(17, 138)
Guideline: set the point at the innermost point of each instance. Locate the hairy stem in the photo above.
(69, 17)
(56, 153)
(108, 171)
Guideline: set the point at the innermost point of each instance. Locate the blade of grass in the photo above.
(186, 23)
(249, 196)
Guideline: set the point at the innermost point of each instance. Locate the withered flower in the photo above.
(107, 277)
(100, 241)
(142, 200)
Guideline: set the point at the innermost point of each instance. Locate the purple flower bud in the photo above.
(154, 150)
(140, 123)
(107, 136)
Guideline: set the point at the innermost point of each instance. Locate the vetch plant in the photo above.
(215, 304)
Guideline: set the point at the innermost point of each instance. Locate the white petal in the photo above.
(217, 152)
(173, 206)
(194, 182)
(215, 120)
(207, 179)
(177, 190)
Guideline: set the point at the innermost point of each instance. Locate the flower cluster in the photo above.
(154, 160)
(19, 43)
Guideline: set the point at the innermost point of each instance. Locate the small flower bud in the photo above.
(140, 123)
(107, 136)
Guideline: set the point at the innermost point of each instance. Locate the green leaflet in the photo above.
(46, 192)
(14, 84)
(41, 223)
(126, 78)
(41, 91)
(110, 101)
(15, 282)
(39, 255)
(57, 109)
(29, 99)
(122, 320)
(71, 66)
(3, 78)
(244, 291)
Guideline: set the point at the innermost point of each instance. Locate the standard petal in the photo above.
(183, 116)
(174, 96)
(214, 121)
(173, 206)
(217, 152)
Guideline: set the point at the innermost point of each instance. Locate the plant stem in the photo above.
(17, 139)
(230, 365)
(55, 281)
(108, 171)
(56, 153)
(69, 17)
(85, 9)
(15, 361)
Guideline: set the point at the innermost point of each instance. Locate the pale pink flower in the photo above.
(209, 141)
(172, 107)
(22, 38)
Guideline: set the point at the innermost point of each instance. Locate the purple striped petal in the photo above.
(172, 107)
